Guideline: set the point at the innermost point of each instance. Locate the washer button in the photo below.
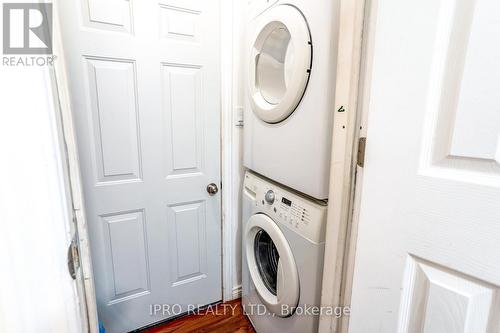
(270, 197)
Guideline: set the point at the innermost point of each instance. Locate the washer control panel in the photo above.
(303, 215)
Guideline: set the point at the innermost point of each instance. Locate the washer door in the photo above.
(280, 63)
(271, 265)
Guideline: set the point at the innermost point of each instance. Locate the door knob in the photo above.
(212, 189)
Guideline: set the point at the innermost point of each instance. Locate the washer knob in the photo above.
(270, 197)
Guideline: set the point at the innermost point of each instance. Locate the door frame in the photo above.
(229, 206)
(355, 29)
(230, 152)
(74, 181)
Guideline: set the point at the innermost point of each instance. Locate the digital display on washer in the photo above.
(286, 201)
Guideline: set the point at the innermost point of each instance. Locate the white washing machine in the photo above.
(283, 249)
(291, 56)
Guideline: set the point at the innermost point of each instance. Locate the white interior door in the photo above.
(144, 82)
(428, 252)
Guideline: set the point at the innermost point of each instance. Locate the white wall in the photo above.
(36, 292)
(243, 10)
(238, 95)
(233, 13)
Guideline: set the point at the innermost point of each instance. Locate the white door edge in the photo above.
(340, 233)
(366, 22)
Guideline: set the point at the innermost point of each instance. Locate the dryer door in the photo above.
(280, 63)
(271, 265)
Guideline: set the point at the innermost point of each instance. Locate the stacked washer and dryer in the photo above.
(288, 121)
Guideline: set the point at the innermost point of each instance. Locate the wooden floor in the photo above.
(223, 318)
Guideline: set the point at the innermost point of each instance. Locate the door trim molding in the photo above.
(343, 164)
(230, 147)
(363, 99)
(226, 25)
(67, 132)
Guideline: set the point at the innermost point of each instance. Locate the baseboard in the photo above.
(237, 292)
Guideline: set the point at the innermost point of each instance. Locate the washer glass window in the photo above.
(271, 264)
(267, 258)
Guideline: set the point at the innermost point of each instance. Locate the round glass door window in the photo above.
(267, 258)
(271, 264)
(272, 65)
(280, 63)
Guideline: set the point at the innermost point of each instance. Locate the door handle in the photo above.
(212, 189)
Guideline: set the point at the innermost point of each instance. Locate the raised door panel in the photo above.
(188, 247)
(462, 136)
(182, 94)
(476, 133)
(180, 22)
(126, 255)
(115, 119)
(112, 15)
(438, 299)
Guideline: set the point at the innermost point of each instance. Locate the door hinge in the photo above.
(73, 258)
(361, 152)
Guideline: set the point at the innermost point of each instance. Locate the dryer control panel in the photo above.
(303, 215)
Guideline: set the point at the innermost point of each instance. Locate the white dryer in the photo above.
(255, 7)
(292, 52)
(282, 250)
